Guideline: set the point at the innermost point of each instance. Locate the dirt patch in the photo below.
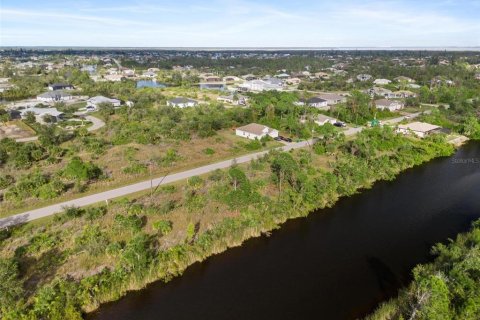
(14, 131)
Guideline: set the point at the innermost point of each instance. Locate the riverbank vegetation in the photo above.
(70, 264)
(447, 288)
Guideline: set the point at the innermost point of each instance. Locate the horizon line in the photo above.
(254, 48)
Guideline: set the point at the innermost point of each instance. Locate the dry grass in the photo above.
(191, 155)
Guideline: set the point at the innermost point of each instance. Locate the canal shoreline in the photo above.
(196, 255)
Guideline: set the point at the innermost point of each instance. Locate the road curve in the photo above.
(96, 124)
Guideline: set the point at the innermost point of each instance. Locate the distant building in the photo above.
(379, 91)
(391, 105)
(238, 100)
(323, 119)
(256, 131)
(262, 85)
(382, 82)
(54, 96)
(318, 103)
(95, 101)
(332, 98)
(181, 102)
(420, 129)
(60, 86)
(40, 114)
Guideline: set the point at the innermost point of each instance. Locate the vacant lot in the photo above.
(15, 130)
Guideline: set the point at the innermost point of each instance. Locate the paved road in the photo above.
(145, 185)
(141, 186)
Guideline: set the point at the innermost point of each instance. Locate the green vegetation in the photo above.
(447, 288)
(89, 256)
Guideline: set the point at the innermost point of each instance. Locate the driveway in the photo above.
(97, 124)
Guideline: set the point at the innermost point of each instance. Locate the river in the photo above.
(337, 263)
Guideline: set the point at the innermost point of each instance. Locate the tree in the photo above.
(30, 117)
(137, 254)
(471, 128)
(284, 168)
(81, 171)
(10, 285)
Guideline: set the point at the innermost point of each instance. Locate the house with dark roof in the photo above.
(318, 103)
(54, 96)
(59, 86)
(181, 102)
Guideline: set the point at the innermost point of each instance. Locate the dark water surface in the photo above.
(337, 263)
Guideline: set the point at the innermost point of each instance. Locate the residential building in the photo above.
(322, 119)
(238, 99)
(93, 102)
(379, 91)
(181, 102)
(40, 113)
(382, 82)
(54, 96)
(318, 103)
(262, 85)
(420, 129)
(332, 98)
(59, 86)
(402, 94)
(256, 131)
(391, 105)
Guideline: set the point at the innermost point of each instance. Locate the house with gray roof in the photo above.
(54, 96)
(181, 102)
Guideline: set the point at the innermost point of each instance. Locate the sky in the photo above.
(240, 23)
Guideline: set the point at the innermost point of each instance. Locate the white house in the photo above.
(256, 131)
(420, 129)
(332, 98)
(404, 94)
(262, 85)
(40, 113)
(391, 105)
(382, 82)
(323, 119)
(181, 102)
(59, 86)
(93, 102)
(54, 96)
(318, 103)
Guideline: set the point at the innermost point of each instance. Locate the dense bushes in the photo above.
(447, 288)
(291, 187)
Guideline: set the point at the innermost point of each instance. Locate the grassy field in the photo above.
(117, 160)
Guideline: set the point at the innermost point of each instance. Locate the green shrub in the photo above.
(163, 226)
